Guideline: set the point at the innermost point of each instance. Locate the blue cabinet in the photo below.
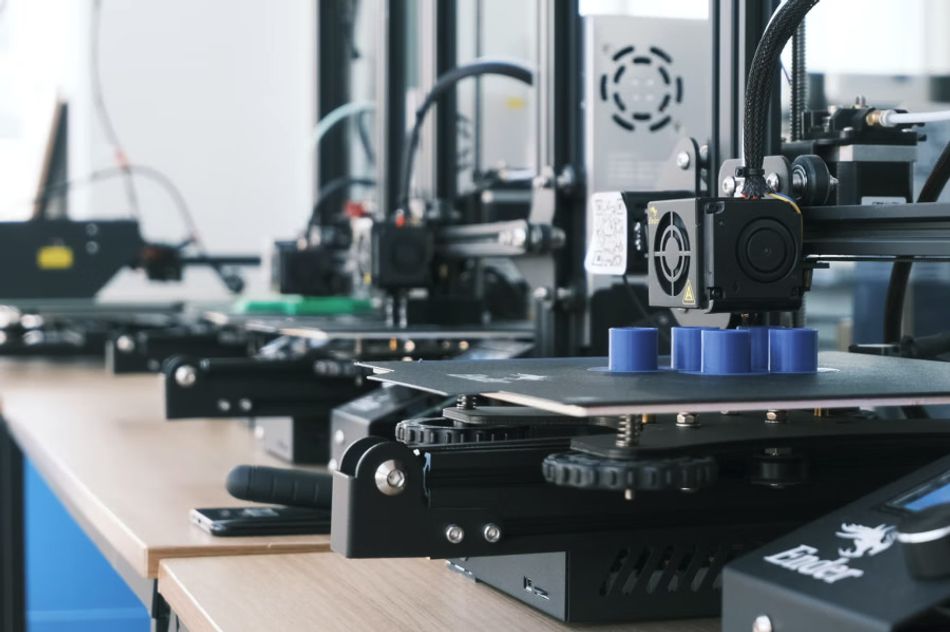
(70, 587)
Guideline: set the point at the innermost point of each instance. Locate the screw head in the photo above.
(776, 416)
(542, 293)
(774, 181)
(186, 376)
(245, 404)
(687, 420)
(125, 344)
(224, 405)
(683, 160)
(454, 533)
(339, 437)
(729, 185)
(390, 478)
(491, 532)
(762, 624)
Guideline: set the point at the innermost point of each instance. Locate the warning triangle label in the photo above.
(689, 298)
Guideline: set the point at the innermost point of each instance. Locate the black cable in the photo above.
(759, 90)
(102, 112)
(444, 83)
(900, 271)
(365, 137)
(327, 192)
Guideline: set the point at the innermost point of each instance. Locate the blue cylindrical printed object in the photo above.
(633, 349)
(727, 351)
(760, 348)
(793, 350)
(686, 350)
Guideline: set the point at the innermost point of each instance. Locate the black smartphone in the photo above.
(262, 520)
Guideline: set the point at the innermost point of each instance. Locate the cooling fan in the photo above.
(641, 88)
(724, 255)
(672, 253)
(672, 241)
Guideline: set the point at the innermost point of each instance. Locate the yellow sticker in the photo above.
(653, 216)
(54, 258)
(688, 297)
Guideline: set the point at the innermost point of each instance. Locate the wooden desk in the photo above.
(329, 592)
(126, 475)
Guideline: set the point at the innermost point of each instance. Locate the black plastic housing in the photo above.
(725, 254)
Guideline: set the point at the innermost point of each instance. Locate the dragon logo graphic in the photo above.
(866, 540)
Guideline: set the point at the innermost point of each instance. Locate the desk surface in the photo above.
(328, 592)
(126, 475)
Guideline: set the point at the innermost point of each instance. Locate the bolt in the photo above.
(332, 465)
(31, 321)
(186, 376)
(774, 181)
(729, 185)
(491, 532)
(92, 247)
(224, 405)
(542, 293)
(683, 160)
(519, 237)
(704, 154)
(628, 494)
(454, 533)
(245, 404)
(687, 420)
(339, 437)
(776, 416)
(153, 365)
(762, 624)
(390, 478)
(125, 344)
(466, 402)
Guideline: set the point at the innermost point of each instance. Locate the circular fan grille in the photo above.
(641, 88)
(672, 254)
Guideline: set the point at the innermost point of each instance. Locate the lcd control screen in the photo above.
(936, 491)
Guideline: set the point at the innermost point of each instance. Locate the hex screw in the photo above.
(491, 532)
(454, 533)
(390, 478)
(186, 376)
(687, 420)
(776, 416)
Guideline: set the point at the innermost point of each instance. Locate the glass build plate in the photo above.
(581, 388)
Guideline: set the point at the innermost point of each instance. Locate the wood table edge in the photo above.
(157, 554)
(105, 526)
(182, 602)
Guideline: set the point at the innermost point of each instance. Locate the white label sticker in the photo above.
(607, 250)
(880, 200)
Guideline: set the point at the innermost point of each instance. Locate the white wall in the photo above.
(217, 94)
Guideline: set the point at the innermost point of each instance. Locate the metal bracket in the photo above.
(258, 387)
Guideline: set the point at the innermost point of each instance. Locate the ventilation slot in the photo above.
(641, 88)
(614, 572)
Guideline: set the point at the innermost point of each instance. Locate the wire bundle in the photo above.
(759, 90)
(446, 82)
